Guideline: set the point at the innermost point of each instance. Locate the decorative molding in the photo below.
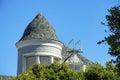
(42, 54)
(25, 43)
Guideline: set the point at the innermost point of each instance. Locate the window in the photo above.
(45, 60)
(74, 66)
(77, 67)
(30, 61)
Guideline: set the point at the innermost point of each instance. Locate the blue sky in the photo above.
(72, 19)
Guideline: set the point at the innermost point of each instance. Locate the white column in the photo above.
(37, 60)
(23, 64)
(52, 59)
(84, 68)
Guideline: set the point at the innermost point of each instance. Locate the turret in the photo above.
(38, 45)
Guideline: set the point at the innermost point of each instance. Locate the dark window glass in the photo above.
(30, 61)
(45, 60)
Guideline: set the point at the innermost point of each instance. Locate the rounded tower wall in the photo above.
(37, 51)
(40, 47)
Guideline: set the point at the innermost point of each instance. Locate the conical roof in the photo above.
(39, 28)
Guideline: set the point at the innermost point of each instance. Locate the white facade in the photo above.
(37, 51)
(76, 63)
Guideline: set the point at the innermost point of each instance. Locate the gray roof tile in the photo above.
(39, 28)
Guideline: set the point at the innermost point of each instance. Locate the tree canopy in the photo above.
(113, 40)
(63, 72)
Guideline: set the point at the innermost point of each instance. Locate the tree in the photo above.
(113, 40)
(98, 72)
(63, 72)
(50, 72)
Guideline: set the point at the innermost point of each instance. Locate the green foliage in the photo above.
(98, 72)
(51, 72)
(92, 73)
(63, 72)
(113, 40)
